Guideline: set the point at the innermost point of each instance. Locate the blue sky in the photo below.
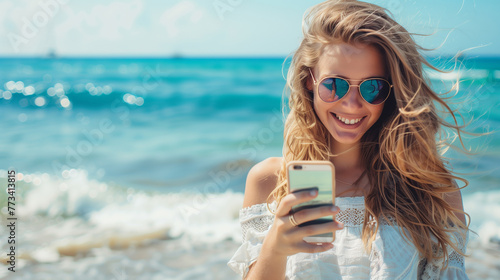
(220, 27)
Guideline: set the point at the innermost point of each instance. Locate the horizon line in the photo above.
(201, 56)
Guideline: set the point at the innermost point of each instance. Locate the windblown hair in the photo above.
(407, 174)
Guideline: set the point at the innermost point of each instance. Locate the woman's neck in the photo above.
(347, 160)
(348, 169)
(346, 156)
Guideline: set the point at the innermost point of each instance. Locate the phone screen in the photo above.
(306, 177)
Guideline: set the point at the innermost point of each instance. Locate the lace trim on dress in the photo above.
(351, 202)
(432, 269)
(351, 217)
(456, 259)
(259, 225)
(257, 209)
(256, 218)
(352, 210)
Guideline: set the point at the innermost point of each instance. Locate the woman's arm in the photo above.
(283, 238)
(261, 181)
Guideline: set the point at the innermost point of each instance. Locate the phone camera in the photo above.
(297, 167)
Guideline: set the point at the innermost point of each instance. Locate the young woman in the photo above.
(358, 98)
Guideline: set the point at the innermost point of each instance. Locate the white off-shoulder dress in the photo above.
(391, 257)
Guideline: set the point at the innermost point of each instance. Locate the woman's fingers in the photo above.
(290, 236)
(293, 199)
(317, 229)
(315, 213)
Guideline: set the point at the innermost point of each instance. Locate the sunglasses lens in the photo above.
(332, 89)
(375, 91)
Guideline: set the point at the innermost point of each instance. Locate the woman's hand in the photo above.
(285, 239)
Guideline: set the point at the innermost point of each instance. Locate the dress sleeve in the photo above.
(456, 264)
(255, 222)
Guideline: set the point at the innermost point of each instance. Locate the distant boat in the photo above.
(51, 54)
(177, 55)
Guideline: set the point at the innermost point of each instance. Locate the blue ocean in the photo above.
(134, 168)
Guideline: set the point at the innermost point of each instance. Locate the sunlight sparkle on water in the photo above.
(40, 101)
(29, 90)
(7, 95)
(65, 102)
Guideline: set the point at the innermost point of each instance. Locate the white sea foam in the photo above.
(91, 211)
(80, 228)
(484, 209)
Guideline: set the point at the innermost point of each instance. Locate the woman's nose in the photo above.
(353, 97)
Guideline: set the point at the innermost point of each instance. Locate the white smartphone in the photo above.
(309, 175)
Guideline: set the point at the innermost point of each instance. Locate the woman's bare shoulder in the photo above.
(261, 181)
(454, 199)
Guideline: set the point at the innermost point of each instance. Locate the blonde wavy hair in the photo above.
(407, 174)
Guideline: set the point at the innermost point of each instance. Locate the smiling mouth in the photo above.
(348, 121)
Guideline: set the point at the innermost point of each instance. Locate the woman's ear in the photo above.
(309, 83)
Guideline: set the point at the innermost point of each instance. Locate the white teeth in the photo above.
(347, 121)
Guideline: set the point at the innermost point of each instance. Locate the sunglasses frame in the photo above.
(316, 83)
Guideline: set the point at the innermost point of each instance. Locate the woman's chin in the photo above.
(346, 138)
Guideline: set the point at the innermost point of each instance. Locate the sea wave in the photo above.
(486, 226)
(86, 214)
